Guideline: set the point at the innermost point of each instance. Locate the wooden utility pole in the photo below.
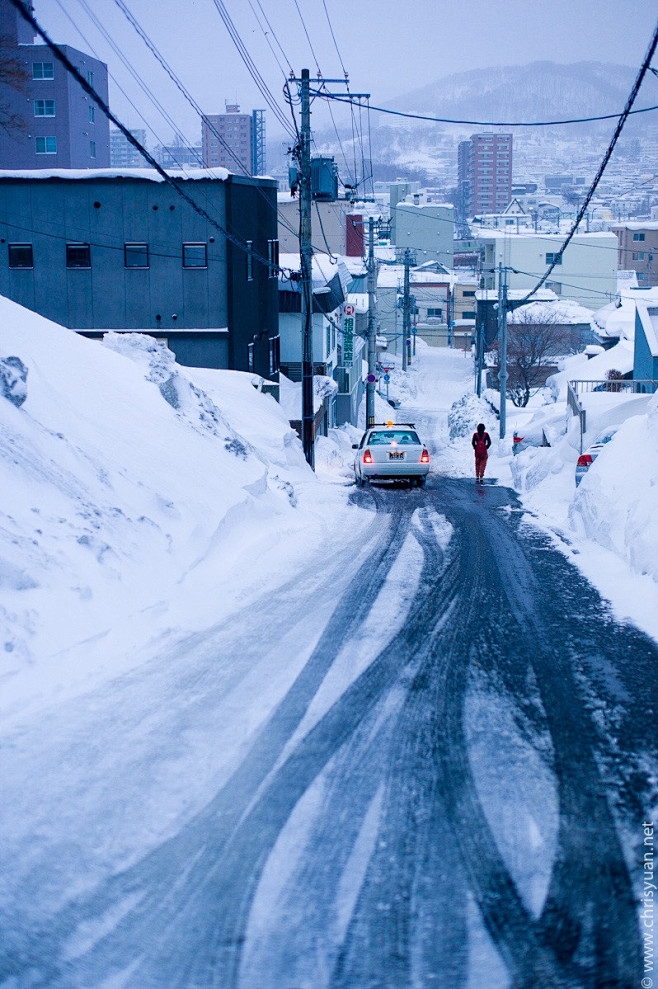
(306, 279)
(372, 326)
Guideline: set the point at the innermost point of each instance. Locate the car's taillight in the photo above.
(425, 457)
(584, 460)
(367, 457)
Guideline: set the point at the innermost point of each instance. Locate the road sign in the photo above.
(387, 378)
(349, 309)
(348, 340)
(371, 379)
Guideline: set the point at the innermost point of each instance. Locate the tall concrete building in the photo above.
(48, 119)
(122, 153)
(234, 140)
(484, 174)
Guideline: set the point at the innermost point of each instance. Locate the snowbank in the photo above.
(134, 490)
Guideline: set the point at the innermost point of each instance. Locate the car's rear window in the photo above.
(401, 436)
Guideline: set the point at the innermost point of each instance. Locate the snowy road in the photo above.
(440, 787)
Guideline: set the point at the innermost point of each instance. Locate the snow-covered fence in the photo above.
(637, 386)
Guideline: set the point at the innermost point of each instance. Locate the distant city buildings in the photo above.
(234, 140)
(484, 174)
(178, 154)
(49, 121)
(122, 153)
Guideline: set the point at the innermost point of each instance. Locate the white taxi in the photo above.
(389, 452)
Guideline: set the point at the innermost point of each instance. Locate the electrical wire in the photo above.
(252, 67)
(606, 158)
(100, 102)
(338, 98)
(310, 43)
(130, 68)
(340, 57)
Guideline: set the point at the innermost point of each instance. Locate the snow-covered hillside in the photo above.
(138, 503)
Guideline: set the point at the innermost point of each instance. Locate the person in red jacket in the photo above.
(481, 442)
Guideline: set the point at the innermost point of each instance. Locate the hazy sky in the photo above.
(388, 47)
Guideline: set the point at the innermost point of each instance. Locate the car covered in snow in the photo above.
(391, 452)
(588, 456)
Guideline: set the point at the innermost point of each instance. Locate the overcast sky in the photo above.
(388, 47)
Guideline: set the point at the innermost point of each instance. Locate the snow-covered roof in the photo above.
(563, 311)
(148, 174)
(639, 225)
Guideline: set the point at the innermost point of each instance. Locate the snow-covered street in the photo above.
(264, 730)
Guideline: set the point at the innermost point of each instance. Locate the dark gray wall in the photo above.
(164, 299)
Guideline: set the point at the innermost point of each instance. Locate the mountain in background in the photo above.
(538, 91)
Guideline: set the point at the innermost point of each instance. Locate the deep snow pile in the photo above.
(609, 519)
(134, 491)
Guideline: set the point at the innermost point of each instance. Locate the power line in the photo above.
(251, 66)
(187, 95)
(339, 98)
(148, 92)
(89, 89)
(606, 158)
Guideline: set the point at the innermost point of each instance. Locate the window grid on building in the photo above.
(43, 70)
(44, 108)
(20, 256)
(195, 255)
(45, 145)
(78, 256)
(136, 255)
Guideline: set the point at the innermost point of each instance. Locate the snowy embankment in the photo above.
(609, 519)
(141, 501)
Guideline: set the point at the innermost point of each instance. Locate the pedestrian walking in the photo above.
(481, 442)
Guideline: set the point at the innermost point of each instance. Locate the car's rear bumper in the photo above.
(392, 471)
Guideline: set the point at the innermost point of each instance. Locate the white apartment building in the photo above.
(586, 272)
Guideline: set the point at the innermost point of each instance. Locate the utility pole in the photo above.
(372, 325)
(306, 262)
(302, 152)
(406, 308)
(502, 336)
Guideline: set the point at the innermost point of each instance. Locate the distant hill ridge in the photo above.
(538, 91)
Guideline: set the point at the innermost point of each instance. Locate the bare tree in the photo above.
(535, 339)
(13, 76)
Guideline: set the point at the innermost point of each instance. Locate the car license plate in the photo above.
(395, 455)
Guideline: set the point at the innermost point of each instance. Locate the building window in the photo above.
(90, 78)
(434, 313)
(250, 260)
(273, 258)
(46, 145)
(195, 255)
(20, 256)
(92, 114)
(638, 255)
(78, 256)
(92, 149)
(275, 351)
(43, 70)
(468, 314)
(136, 255)
(250, 357)
(468, 294)
(553, 258)
(44, 108)
(638, 237)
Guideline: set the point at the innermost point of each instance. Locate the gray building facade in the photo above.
(102, 252)
(52, 122)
